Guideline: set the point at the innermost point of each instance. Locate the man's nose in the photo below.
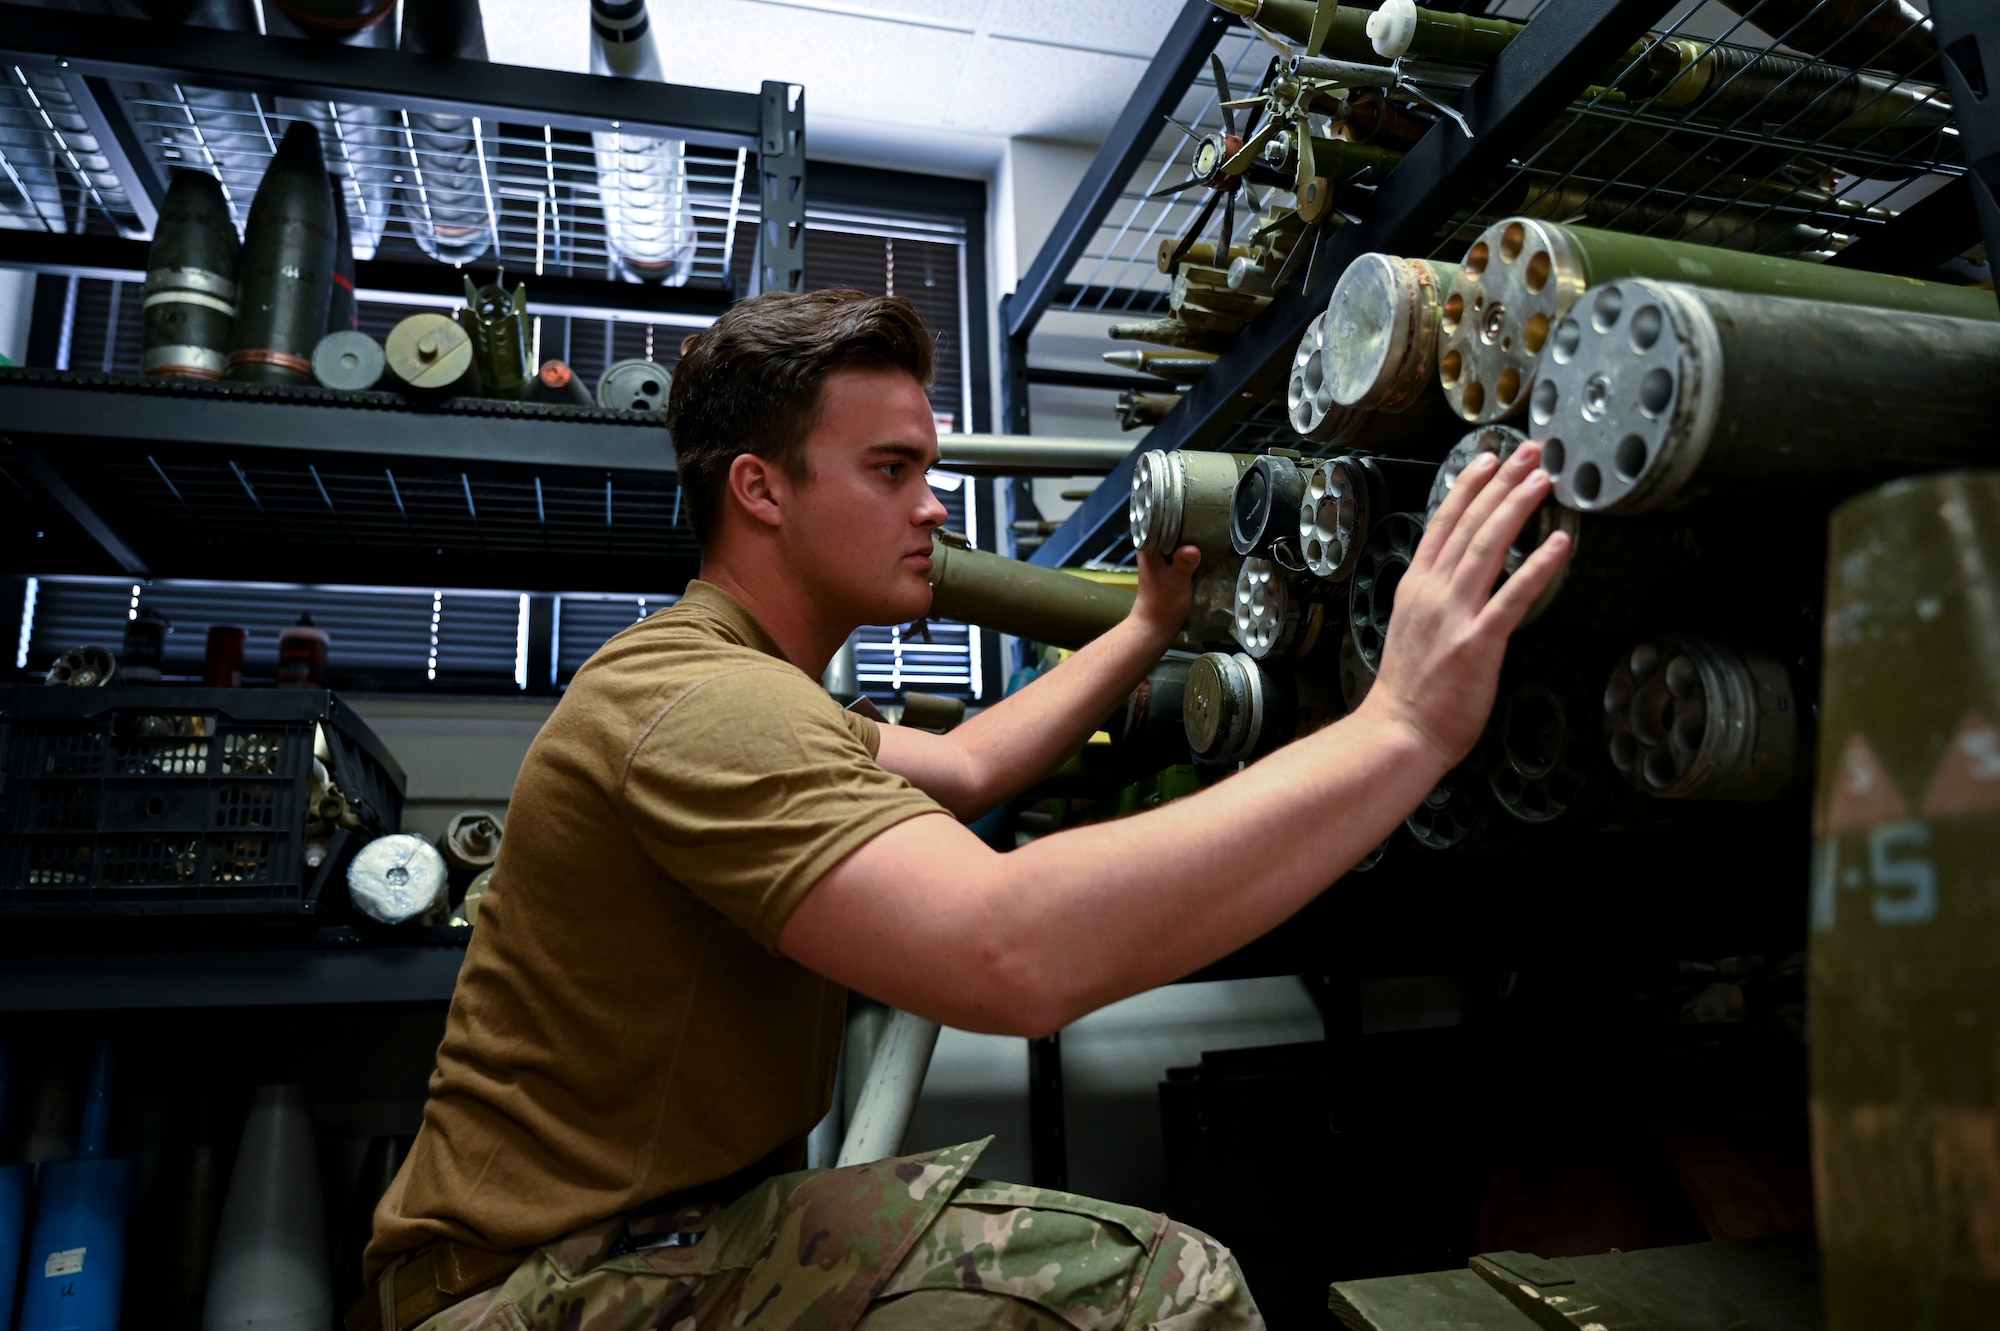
(932, 512)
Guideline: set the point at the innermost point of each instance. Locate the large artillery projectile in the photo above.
(1904, 999)
(1184, 498)
(1382, 331)
(1655, 394)
(1437, 35)
(445, 187)
(1010, 596)
(642, 180)
(1344, 498)
(191, 274)
(1691, 718)
(342, 314)
(1522, 275)
(287, 272)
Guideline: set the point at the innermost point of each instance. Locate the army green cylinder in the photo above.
(288, 264)
(1184, 497)
(1438, 36)
(1523, 275)
(191, 273)
(1905, 916)
(1010, 596)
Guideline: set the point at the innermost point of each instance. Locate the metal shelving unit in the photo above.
(1542, 140)
(95, 112)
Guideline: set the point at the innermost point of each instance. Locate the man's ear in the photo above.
(759, 488)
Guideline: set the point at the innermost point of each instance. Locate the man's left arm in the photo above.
(1014, 743)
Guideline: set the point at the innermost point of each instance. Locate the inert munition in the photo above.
(1010, 596)
(1372, 592)
(1184, 498)
(1266, 504)
(1381, 333)
(1237, 708)
(1689, 718)
(1904, 999)
(1309, 401)
(1655, 394)
(1522, 276)
(287, 273)
(191, 281)
(1344, 497)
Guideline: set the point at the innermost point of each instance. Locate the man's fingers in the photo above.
(1463, 491)
(1509, 606)
(1486, 553)
(1518, 467)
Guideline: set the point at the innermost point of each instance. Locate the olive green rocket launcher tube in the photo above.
(190, 281)
(1010, 596)
(1522, 276)
(1905, 910)
(287, 273)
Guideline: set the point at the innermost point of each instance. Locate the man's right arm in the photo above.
(927, 918)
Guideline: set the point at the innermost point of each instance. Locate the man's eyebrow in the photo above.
(910, 452)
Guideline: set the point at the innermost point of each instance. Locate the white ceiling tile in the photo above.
(961, 14)
(543, 34)
(1022, 89)
(1131, 27)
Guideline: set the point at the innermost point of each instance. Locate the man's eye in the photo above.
(893, 470)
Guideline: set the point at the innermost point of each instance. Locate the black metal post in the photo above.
(542, 644)
(781, 167)
(1968, 32)
(1048, 1136)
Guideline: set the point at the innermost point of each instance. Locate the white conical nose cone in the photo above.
(270, 1270)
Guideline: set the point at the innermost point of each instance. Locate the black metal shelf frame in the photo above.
(99, 109)
(1521, 149)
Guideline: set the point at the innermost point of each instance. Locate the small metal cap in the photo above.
(1223, 706)
(1153, 513)
(1267, 609)
(635, 385)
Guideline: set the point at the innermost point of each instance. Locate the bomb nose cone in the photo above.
(300, 150)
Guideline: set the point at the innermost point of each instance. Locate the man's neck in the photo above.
(787, 612)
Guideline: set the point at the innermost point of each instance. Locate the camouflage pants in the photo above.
(893, 1246)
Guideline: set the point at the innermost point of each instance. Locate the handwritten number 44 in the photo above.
(1899, 872)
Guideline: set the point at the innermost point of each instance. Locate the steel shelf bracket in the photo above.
(781, 167)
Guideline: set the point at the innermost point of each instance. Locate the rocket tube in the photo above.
(1010, 596)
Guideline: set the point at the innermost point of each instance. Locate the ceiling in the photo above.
(937, 84)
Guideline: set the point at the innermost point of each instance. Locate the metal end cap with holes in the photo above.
(1159, 492)
(1356, 675)
(1544, 739)
(1268, 610)
(1499, 439)
(1385, 557)
(1224, 708)
(1307, 398)
(349, 361)
(1517, 281)
(634, 385)
(1628, 396)
(1455, 810)
(1550, 518)
(1333, 518)
(1381, 333)
(1691, 718)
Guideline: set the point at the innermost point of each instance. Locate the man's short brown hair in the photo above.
(749, 383)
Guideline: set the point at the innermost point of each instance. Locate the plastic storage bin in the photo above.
(151, 801)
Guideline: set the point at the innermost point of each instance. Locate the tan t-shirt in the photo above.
(623, 1026)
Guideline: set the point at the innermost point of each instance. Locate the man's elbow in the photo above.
(1022, 997)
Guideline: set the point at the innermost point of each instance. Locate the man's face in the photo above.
(858, 530)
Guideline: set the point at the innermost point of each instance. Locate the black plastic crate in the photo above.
(177, 801)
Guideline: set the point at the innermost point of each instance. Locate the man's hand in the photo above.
(1166, 591)
(1449, 628)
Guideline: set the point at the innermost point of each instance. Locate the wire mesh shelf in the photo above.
(459, 189)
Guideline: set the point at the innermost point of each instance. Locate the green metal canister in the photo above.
(1905, 951)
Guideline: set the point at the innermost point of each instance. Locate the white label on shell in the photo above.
(68, 1262)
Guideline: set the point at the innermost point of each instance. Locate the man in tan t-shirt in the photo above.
(705, 853)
